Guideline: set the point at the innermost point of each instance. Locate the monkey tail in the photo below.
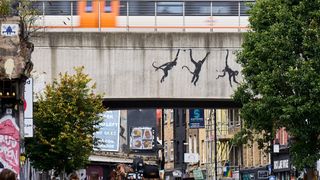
(187, 69)
(155, 66)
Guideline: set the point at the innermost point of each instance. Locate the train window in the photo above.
(107, 6)
(170, 8)
(89, 6)
(197, 8)
(57, 8)
(141, 8)
(229, 8)
(123, 8)
(244, 7)
(74, 7)
(37, 5)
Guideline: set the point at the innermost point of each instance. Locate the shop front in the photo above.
(282, 166)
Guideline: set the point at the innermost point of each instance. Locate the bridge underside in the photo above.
(169, 103)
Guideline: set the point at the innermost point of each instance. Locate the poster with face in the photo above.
(142, 138)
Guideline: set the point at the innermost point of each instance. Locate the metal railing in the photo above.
(155, 15)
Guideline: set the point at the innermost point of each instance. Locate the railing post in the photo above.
(211, 17)
(184, 18)
(239, 15)
(71, 15)
(155, 16)
(99, 16)
(43, 15)
(127, 15)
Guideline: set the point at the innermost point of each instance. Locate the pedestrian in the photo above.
(7, 174)
(74, 176)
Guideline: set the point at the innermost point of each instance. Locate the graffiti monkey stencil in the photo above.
(166, 66)
(232, 74)
(197, 67)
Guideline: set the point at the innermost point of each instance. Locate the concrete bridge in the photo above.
(145, 69)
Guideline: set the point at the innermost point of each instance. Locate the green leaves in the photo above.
(281, 68)
(65, 116)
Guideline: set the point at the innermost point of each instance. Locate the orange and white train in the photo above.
(117, 15)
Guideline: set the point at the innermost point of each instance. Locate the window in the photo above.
(123, 8)
(178, 151)
(234, 117)
(171, 151)
(58, 7)
(171, 116)
(244, 8)
(169, 8)
(229, 8)
(197, 8)
(230, 117)
(37, 5)
(176, 116)
(203, 154)
(195, 146)
(190, 144)
(107, 6)
(184, 117)
(141, 8)
(166, 151)
(89, 6)
(165, 117)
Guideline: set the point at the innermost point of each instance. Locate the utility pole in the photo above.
(215, 143)
(162, 139)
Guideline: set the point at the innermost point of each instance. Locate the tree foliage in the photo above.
(4, 8)
(66, 116)
(281, 68)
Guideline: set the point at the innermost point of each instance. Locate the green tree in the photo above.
(66, 116)
(4, 8)
(281, 68)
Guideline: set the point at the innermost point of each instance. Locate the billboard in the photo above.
(142, 138)
(142, 130)
(108, 134)
(196, 118)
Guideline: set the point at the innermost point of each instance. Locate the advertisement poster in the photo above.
(196, 118)
(9, 143)
(108, 135)
(142, 138)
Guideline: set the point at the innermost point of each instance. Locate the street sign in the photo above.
(191, 157)
(196, 118)
(197, 174)
(9, 29)
(28, 108)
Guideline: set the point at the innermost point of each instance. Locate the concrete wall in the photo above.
(121, 63)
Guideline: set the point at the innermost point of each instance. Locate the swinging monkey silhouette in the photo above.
(166, 66)
(197, 68)
(232, 74)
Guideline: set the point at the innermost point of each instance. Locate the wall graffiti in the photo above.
(232, 74)
(166, 66)
(9, 143)
(197, 67)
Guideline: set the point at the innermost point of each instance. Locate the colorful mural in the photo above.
(9, 143)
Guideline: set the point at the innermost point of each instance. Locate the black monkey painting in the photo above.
(166, 66)
(197, 68)
(232, 74)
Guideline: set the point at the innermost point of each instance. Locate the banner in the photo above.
(108, 134)
(196, 118)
